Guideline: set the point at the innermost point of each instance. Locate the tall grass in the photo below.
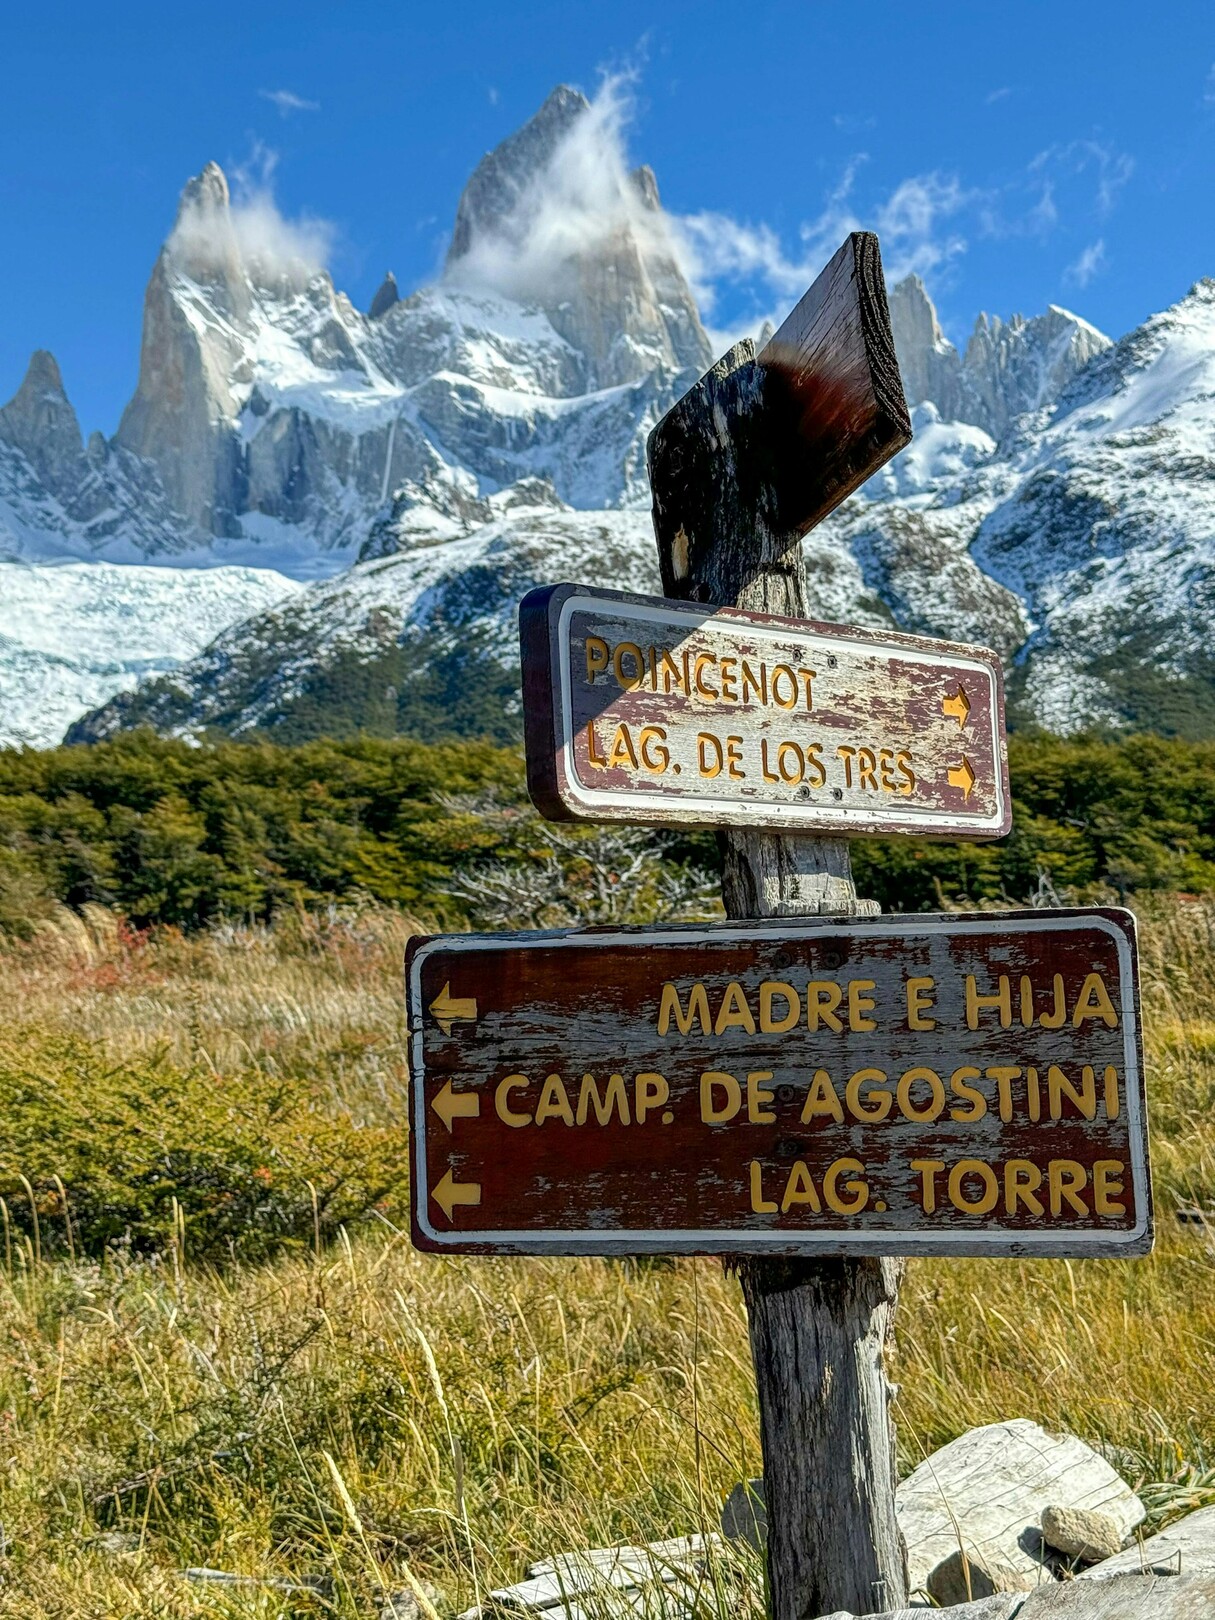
(357, 1414)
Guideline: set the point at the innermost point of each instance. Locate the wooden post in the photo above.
(752, 456)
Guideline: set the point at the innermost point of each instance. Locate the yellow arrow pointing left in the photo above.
(447, 1008)
(962, 776)
(449, 1193)
(452, 1105)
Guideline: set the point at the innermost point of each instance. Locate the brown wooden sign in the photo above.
(648, 710)
(889, 1085)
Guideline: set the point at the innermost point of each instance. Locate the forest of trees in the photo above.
(171, 833)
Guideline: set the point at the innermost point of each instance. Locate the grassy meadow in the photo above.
(319, 1404)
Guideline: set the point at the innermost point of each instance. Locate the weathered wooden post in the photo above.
(740, 469)
(809, 1088)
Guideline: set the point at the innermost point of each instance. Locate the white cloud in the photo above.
(581, 198)
(288, 102)
(1002, 94)
(1110, 169)
(1090, 263)
(1208, 89)
(492, 93)
(910, 221)
(208, 232)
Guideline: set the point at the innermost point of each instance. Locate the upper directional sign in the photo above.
(661, 712)
(886, 1085)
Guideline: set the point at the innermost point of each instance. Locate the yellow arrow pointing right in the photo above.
(449, 1193)
(447, 1008)
(962, 776)
(452, 1105)
(958, 706)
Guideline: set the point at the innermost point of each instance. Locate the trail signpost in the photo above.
(646, 710)
(809, 1089)
(893, 1085)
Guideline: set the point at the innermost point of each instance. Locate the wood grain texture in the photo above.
(658, 712)
(739, 473)
(766, 445)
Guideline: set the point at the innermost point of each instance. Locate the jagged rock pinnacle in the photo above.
(502, 175)
(40, 421)
(385, 298)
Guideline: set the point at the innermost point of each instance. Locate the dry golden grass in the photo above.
(355, 1412)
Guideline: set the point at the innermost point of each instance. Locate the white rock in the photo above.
(985, 1492)
(1080, 1533)
(1185, 1548)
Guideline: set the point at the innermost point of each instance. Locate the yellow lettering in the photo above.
(734, 758)
(630, 683)
(1094, 1002)
(671, 1007)
(622, 752)
(919, 998)
(703, 661)
(986, 1201)
(936, 1101)
(759, 687)
(1067, 1180)
(1107, 1187)
(783, 671)
(759, 1204)
(502, 1107)
(758, 1096)
(799, 1189)
(769, 1024)
(671, 673)
(1021, 1181)
(859, 1004)
(876, 1104)
(958, 1084)
(929, 1170)
(823, 996)
(596, 658)
(651, 1092)
(714, 1080)
(1057, 1017)
(1004, 1078)
(975, 1002)
(1059, 1086)
(725, 669)
(734, 1012)
(707, 765)
(614, 1097)
(655, 755)
(1111, 1092)
(858, 1188)
(554, 1104)
(822, 1100)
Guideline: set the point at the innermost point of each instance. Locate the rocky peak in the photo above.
(1009, 367)
(41, 423)
(490, 202)
(386, 296)
(552, 217)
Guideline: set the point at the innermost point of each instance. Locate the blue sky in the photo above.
(1015, 155)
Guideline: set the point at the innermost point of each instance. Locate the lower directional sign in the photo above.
(893, 1085)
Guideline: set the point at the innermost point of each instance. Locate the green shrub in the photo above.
(247, 1163)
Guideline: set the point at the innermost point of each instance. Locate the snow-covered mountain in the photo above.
(433, 458)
